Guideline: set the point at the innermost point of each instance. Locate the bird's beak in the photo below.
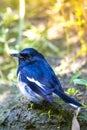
(15, 54)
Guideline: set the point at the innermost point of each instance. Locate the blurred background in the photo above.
(57, 28)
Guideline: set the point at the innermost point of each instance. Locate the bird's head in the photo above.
(27, 56)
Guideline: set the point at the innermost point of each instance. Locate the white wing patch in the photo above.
(31, 95)
(75, 106)
(36, 82)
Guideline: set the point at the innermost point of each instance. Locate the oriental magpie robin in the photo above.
(37, 80)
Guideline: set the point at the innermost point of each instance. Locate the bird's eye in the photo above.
(25, 56)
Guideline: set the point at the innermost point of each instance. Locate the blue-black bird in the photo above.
(37, 80)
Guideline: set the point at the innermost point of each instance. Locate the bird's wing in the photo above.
(35, 85)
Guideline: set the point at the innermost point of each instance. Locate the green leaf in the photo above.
(83, 117)
(78, 74)
(72, 91)
(80, 82)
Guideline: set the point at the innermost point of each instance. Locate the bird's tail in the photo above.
(68, 99)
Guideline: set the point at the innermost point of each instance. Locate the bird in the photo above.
(37, 80)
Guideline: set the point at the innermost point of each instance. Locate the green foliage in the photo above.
(78, 80)
(75, 76)
(72, 91)
(7, 32)
(83, 117)
(81, 82)
(48, 113)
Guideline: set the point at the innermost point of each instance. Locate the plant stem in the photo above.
(21, 20)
